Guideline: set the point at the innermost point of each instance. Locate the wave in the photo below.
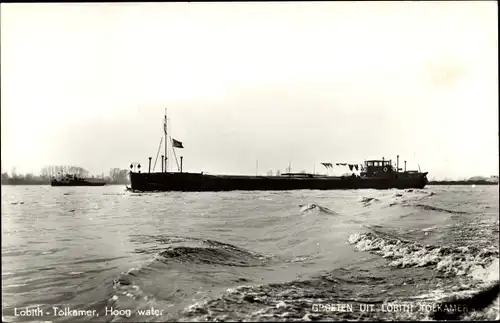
(170, 256)
(425, 207)
(329, 297)
(315, 207)
(480, 306)
(291, 301)
(434, 208)
(366, 201)
(478, 267)
(226, 255)
(459, 261)
(398, 197)
(182, 249)
(419, 191)
(415, 194)
(300, 300)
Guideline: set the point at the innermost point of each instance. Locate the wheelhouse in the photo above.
(378, 167)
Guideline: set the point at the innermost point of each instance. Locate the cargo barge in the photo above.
(375, 174)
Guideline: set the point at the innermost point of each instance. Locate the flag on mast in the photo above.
(327, 165)
(177, 144)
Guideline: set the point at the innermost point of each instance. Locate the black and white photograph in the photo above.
(250, 161)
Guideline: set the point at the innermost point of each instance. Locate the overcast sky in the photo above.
(87, 84)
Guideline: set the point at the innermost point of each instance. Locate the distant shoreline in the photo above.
(462, 183)
(456, 183)
(45, 183)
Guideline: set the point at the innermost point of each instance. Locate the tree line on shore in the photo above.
(120, 176)
(115, 175)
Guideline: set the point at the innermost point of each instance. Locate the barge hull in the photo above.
(196, 182)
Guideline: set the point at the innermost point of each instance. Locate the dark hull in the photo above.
(57, 183)
(196, 182)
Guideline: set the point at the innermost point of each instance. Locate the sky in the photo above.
(87, 84)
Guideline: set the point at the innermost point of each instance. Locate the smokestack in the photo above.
(405, 165)
(181, 163)
(162, 160)
(149, 169)
(397, 163)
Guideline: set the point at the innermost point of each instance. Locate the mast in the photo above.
(172, 146)
(157, 154)
(166, 141)
(170, 141)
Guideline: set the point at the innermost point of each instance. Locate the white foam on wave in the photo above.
(488, 274)
(396, 197)
(437, 295)
(458, 261)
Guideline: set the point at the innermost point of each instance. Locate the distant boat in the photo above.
(74, 180)
(375, 174)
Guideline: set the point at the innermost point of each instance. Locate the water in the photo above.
(297, 255)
